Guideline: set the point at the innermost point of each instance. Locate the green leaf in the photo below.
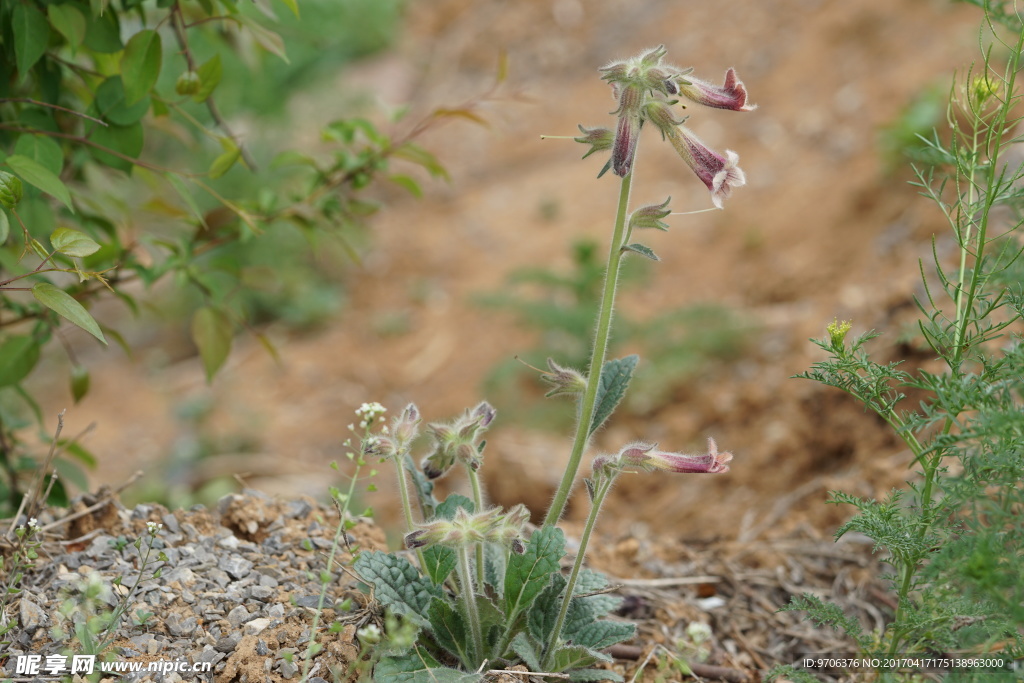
(5, 227)
(451, 505)
(410, 151)
(179, 186)
(140, 65)
(210, 72)
(212, 333)
(397, 584)
(125, 140)
(595, 675)
(643, 250)
(439, 562)
(264, 37)
(601, 634)
(112, 104)
(104, 31)
(31, 34)
(495, 562)
(65, 305)
(223, 163)
(418, 667)
(73, 243)
(449, 629)
(43, 149)
(408, 183)
(293, 5)
(69, 22)
(79, 382)
(575, 657)
(424, 487)
(34, 173)
(526, 650)
(615, 376)
(18, 355)
(528, 574)
(544, 612)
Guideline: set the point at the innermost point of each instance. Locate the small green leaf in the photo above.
(31, 34)
(604, 633)
(576, 657)
(439, 562)
(79, 382)
(65, 305)
(397, 584)
(43, 149)
(11, 190)
(34, 173)
(73, 243)
(293, 5)
(127, 141)
(408, 183)
(104, 31)
(264, 37)
(615, 376)
(528, 574)
(112, 105)
(140, 65)
(210, 72)
(18, 355)
(526, 650)
(419, 667)
(223, 163)
(643, 250)
(69, 22)
(212, 333)
(179, 186)
(410, 151)
(5, 227)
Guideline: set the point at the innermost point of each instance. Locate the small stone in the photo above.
(310, 601)
(256, 626)
(211, 655)
(276, 611)
(261, 592)
(32, 616)
(238, 567)
(228, 643)
(171, 523)
(180, 627)
(261, 647)
(229, 542)
(238, 616)
(288, 669)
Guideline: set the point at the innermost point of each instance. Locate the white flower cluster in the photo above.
(369, 412)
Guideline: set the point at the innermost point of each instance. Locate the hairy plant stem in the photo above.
(602, 486)
(601, 336)
(403, 488)
(469, 600)
(478, 502)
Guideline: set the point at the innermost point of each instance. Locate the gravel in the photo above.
(235, 590)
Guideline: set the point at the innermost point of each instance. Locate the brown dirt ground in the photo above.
(819, 231)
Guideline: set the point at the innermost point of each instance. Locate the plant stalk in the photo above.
(469, 600)
(403, 488)
(478, 502)
(601, 336)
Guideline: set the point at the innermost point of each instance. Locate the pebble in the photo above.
(214, 587)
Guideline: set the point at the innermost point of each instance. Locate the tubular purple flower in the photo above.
(732, 95)
(711, 462)
(627, 132)
(720, 174)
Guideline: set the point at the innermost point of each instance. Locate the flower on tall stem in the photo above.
(719, 173)
(732, 95)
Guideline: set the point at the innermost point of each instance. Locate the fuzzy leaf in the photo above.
(449, 628)
(397, 584)
(545, 609)
(643, 250)
(34, 173)
(526, 650)
(601, 634)
(495, 562)
(73, 243)
(418, 667)
(586, 611)
(439, 562)
(31, 34)
(451, 505)
(576, 657)
(212, 334)
(140, 65)
(65, 305)
(528, 574)
(18, 355)
(615, 376)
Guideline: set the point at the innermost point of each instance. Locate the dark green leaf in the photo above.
(34, 173)
(127, 141)
(397, 584)
(528, 574)
(449, 629)
(69, 22)
(212, 333)
(104, 32)
(18, 355)
(451, 505)
(418, 667)
(439, 562)
(643, 250)
(615, 376)
(111, 104)
(31, 34)
(601, 634)
(526, 650)
(70, 472)
(79, 382)
(65, 305)
(140, 65)
(545, 609)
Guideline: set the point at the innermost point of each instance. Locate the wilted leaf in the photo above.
(65, 305)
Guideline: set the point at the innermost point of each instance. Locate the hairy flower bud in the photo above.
(732, 95)
(599, 139)
(650, 216)
(660, 114)
(378, 446)
(645, 456)
(484, 414)
(565, 381)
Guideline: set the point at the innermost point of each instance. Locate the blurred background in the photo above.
(436, 298)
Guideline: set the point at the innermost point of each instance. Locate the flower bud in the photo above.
(188, 83)
(732, 95)
(650, 216)
(484, 414)
(11, 190)
(837, 334)
(565, 381)
(377, 446)
(405, 427)
(660, 114)
(599, 139)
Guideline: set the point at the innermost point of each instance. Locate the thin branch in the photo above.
(29, 100)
